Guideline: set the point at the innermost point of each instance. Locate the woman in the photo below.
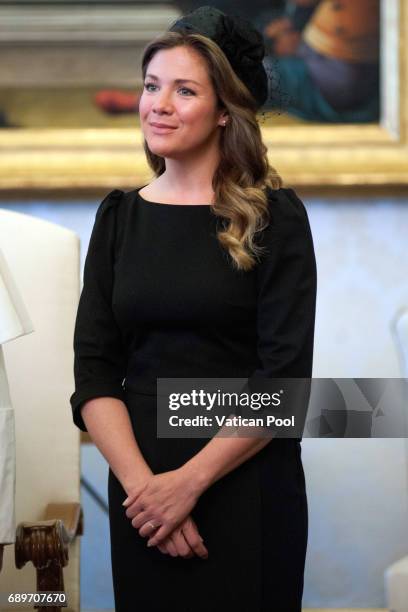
(207, 271)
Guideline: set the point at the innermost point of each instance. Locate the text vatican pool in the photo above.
(232, 421)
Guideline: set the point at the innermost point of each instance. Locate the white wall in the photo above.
(357, 488)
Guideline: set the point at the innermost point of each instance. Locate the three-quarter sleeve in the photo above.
(99, 354)
(286, 294)
(287, 283)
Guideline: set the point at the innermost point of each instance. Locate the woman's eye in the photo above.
(182, 89)
(186, 89)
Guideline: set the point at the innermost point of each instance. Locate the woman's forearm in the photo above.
(108, 423)
(222, 455)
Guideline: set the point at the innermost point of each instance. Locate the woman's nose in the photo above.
(162, 101)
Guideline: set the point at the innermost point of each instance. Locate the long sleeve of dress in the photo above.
(287, 283)
(99, 354)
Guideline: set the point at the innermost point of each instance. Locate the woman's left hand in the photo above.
(165, 499)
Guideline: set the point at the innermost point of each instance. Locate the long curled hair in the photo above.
(243, 172)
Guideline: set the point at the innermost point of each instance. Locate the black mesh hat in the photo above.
(244, 48)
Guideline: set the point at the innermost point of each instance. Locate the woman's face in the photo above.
(178, 93)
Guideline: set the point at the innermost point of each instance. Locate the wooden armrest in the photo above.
(85, 438)
(70, 514)
(45, 543)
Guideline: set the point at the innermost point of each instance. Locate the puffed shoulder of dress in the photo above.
(107, 218)
(286, 209)
(110, 202)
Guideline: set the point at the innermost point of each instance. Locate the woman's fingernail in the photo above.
(150, 543)
(125, 502)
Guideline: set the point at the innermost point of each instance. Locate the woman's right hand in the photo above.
(184, 541)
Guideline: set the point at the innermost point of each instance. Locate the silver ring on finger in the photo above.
(152, 525)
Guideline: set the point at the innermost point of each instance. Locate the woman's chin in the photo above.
(164, 151)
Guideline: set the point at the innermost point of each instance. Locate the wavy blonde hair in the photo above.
(244, 171)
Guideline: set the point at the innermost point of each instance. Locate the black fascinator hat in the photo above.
(244, 48)
(239, 40)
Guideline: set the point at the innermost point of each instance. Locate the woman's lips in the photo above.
(162, 129)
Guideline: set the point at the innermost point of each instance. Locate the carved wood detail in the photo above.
(46, 543)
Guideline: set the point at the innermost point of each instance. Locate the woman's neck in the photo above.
(192, 175)
(189, 186)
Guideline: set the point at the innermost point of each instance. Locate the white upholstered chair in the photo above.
(44, 260)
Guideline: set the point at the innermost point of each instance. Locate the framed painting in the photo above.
(70, 81)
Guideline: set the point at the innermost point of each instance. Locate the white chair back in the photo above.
(44, 260)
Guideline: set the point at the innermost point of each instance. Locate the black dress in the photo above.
(161, 299)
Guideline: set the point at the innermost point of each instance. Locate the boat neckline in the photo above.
(168, 204)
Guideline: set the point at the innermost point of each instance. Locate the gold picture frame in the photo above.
(100, 159)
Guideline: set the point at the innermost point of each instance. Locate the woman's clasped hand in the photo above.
(160, 509)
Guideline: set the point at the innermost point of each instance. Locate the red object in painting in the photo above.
(117, 102)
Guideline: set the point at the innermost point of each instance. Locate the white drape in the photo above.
(14, 322)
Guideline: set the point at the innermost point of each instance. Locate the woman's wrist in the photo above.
(137, 481)
(196, 478)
